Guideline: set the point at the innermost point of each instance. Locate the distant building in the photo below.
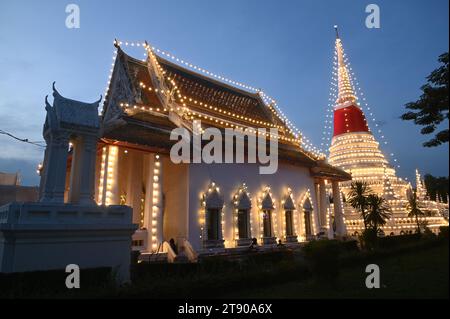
(12, 191)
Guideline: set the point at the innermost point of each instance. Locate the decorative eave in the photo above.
(326, 171)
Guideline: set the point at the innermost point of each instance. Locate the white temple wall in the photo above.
(229, 179)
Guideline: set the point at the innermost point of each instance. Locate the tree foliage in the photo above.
(378, 211)
(414, 210)
(432, 107)
(436, 186)
(357, 198)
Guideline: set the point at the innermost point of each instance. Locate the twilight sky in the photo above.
(284, 47)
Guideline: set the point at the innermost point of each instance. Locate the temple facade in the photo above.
(354, 149)
(202, 206)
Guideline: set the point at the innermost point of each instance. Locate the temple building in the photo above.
(354, 149)
(204, 207)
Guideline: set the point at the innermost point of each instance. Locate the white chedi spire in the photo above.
(420, 190)
(388, 191)
(345, 89)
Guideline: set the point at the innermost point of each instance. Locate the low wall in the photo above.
(44, 236)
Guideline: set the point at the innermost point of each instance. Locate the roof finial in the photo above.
(336, 29)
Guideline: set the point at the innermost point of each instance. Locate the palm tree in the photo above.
(378, 211)
(357, 198)
(414, 209)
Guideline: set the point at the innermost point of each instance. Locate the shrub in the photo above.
(51, 282)
(350, 246)
(323, 258)
(396, 241)
(443, 232)
(370, 239)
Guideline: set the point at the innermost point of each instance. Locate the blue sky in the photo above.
(284, 47)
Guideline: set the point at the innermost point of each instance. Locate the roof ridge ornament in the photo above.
(55, 91)
(336, 29)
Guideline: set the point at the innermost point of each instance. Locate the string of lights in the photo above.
(365, 106)
(305, 143)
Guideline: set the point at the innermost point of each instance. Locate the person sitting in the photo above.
(280, 244)
(253, 244)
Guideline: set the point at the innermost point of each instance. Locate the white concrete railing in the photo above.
(49, 213)
(191, 254)
(171, 255)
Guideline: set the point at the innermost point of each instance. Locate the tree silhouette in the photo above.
(378, 211)
(432, 107)
(357, 198)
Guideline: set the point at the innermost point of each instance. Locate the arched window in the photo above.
(243, 205)
(267, 207)
(289, 222)
(213, 218)
(307, 215)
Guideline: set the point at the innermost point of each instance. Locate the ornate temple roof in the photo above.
(147, 99)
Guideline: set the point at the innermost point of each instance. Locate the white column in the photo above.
(76, 170)
(149, 163)
(110, 189)
(58, 165)
(87, 174)
(322, 204)
(153, 218)
(158, 199)
(46, 183)
(338, 213)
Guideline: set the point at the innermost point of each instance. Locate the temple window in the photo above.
(242, 226)
(308, 229)
(267, 209)
(213, 218)
(289, 223)
(267, 223)
(213, 223)
(307, 215)
(243, 223)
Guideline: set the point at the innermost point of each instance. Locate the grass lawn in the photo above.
(421, 274)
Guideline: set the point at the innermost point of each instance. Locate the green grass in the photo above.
(421, 274)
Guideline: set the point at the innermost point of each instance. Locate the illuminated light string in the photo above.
(215, 108)
(332, 97)
(308, 147)
(191, 113)
(156, 198)
(357, 89)
(296, 132)
(189, 65)
(111, 70)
